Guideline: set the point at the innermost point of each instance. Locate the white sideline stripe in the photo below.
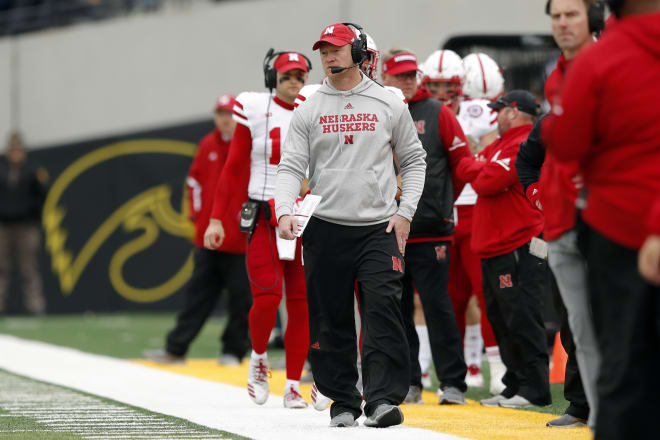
(206, 403)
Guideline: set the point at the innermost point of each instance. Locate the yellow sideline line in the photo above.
(471, 421)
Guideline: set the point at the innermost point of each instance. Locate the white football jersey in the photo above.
(268, 122)
(477, 120)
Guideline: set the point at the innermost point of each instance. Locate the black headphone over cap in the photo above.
(595, 15)
(270, 74)
(359, 46)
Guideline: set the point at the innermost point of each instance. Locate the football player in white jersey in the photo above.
(263, 121)
(474, 79)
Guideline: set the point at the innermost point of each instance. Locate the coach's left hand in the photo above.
(401, 228)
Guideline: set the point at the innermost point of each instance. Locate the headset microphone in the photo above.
(341, 69)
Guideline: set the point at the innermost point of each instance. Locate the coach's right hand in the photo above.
(286, 226)
(214, 235)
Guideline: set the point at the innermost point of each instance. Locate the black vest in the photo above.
(435, 210)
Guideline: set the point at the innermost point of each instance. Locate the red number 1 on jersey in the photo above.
(274, 136)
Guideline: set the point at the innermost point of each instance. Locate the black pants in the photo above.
(626, 312)
(336, 257)
(427, 266)
(573, 389)
(513, 288)
(214, 271)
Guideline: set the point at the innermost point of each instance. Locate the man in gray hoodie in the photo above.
(348, 134)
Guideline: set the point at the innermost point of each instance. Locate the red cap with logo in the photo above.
(225, 102)
(336, 34)
(401, 63)
(290, 60)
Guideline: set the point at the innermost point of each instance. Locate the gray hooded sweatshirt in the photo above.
(346, 139)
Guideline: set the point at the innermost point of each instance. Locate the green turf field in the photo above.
(126, 335)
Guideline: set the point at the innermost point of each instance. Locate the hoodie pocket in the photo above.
(350, 194)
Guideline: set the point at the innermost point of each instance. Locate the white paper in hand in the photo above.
(303, 212)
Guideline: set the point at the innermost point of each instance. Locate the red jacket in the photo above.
(503, 218)
(202, 181)
(557, 186)
(654, 218)
(608, 121)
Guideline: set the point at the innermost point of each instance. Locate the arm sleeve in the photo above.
(568, 132)
(468, 169)
(235, 174)
(193, 181)
(497, 175)
(455, 144)
(293, 166)
(412, 163)
(531, 156)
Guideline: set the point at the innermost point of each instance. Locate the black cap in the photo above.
(520, 99)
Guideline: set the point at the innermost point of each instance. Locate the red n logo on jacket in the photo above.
(348, 139)
(505, 281)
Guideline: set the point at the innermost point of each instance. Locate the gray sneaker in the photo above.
(452, 396)
(567, 421)
(385, 415)
(515, 402)
(162, 356)
(492, 401)
(343, 420)
(414, 395)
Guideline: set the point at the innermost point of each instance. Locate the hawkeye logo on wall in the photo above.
(109, 213)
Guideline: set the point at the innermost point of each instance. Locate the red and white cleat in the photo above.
(319, 401)
(293, 399)
(258, 381)
(474, 378)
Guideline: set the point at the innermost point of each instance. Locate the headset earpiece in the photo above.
(359, 46)
(596, 15)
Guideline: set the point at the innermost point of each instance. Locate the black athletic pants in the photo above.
(626, 312)
(573, 389)
(513, 292)
(214, 271)
(427, 270)
(336, 257)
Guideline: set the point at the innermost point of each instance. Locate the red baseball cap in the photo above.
(225, 102)
(336, 34)
(290, 60)
(401, 63)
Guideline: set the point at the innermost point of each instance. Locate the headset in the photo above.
(359, 45)
(270, 74)
(595, 16)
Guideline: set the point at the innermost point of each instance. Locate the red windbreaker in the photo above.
(608, 121)
(503, 218)
(202, 181)
(558, 181)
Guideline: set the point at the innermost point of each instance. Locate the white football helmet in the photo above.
(370, 65)
(444, 65)
(483, 79)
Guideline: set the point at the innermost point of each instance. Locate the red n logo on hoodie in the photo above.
(348, 139)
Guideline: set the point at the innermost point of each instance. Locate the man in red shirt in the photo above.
(214, 270)
(504, 225)
(610, 128)
(431, 231)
